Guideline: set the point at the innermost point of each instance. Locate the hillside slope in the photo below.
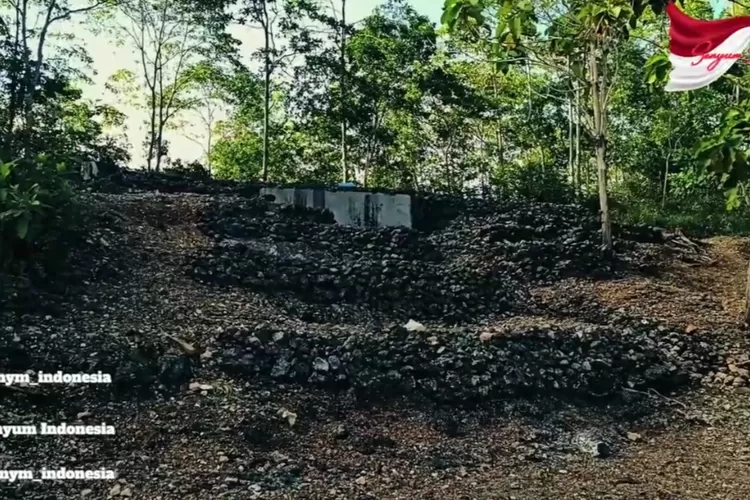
(544, 371)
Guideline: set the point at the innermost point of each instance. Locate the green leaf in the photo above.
(505, 9)
(22, 226)
(5, 169)
(476, 14)
(500, 29)
(733, 199)
(450, 13)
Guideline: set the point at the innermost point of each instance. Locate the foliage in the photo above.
(193, 169)
(47, 130)
(169, 45)
(36, 207)
(534, 182)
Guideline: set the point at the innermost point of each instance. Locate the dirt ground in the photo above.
(226, 442)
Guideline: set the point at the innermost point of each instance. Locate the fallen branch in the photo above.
(685, 413)
(654, 392)
(185, 347)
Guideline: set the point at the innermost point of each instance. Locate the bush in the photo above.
(36, 206)
(702, 218)
(194, 169)
(694, 204)
(110, 156)
(534, 182)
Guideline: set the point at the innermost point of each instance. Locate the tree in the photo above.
(343, 84)
(325, 62)
(26, 44)
(269, 14)
(724, 153)
(239, 146)
(168, 43)
(585, 35)
(204, 101)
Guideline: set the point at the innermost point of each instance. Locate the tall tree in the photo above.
(591, 32)
(342, 69)
(27, 43)
(167, 43)
(205, 102)
(270, 15)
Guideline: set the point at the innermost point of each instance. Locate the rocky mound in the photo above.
(464, 366)
(537, 242)
(126, 180)
(478, 265)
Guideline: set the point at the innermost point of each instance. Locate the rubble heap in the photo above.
(478, 264)
(464, 365)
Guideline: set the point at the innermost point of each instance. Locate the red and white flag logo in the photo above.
(702, 51)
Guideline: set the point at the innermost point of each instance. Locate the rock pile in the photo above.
(387, 269)
(458, 366)
(137, 180)
(479, 264)
(734, 374)
(537, 242)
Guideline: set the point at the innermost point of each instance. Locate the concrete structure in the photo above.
(350, 208)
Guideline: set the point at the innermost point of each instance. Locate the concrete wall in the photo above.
(350, 208)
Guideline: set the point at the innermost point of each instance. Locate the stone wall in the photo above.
(350, 208)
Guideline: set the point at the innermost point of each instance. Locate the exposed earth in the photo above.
(594, 379)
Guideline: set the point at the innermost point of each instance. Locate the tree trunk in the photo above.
(571, 145)
(344, 169)
(598, 89)
(747, 298)
(541, 151)
(160, 126)
(581, 170)
(26, 69)
(29, 101)
(601, 169)
(160, 133)
(666, 164)
(14, 90)
(579, 174)
(571, 164)
(160, 142)
(498, 128)
(208, 151)
(267, 89)
(152, 134)
(666, 179)
(152, 123)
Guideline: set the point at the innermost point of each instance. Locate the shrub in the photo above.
(194, 169)
(36, 206)
(534, 181)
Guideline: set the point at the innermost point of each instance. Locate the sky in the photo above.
(107, 58)
(719, 7)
